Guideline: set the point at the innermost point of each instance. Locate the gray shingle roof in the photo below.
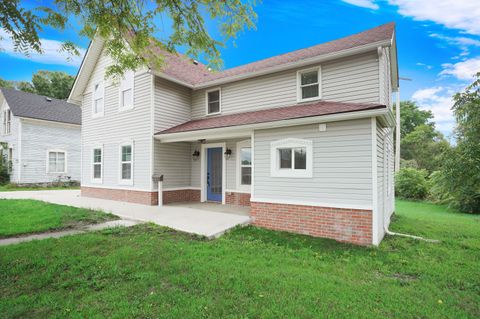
(40, 107)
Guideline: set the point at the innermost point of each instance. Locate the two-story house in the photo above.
(303, 138)
(40, 138)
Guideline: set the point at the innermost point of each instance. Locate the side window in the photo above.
(56, 162)
(291, 157)
(126, 164)
(126, 91)
(214, 101)
(309, 86)
(97, 164)
(244, 165)
(7, 120)
(98, 101)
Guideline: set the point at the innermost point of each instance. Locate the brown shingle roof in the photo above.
(272, 115)
(183, 69)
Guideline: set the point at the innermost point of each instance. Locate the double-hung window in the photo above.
(7, 119)
(98, 100)
(291, 157)
(97, 164)
(214, 101)
(244, 160)
(126, 163)
(309, 86)
(57, 161)
(126, 91)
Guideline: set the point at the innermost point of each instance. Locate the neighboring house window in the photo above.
(126, 91)
(98, 101)
(308, 84)
(214, 98)
(244, 160)
(97, 160)
(126, 163)
(7, 120)
(56, 161)
(291, 157)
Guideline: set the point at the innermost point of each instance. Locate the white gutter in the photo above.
(245, 130)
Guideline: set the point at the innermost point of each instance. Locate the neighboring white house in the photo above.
(42, 137)
(303, 138)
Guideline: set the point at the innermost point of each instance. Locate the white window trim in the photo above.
(122, 181)
(219, 98)
(276, 171)
(6, 111)
(240, 186)
(95, 96)
(93, 179)
(125, 84)
(299, 82)
(48, 161)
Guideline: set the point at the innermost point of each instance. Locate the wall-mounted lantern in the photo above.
(228, 153)
(196, 155)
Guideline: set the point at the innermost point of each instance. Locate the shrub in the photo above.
(4, 174)
(411, 183)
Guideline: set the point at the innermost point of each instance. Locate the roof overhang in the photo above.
(385, 115)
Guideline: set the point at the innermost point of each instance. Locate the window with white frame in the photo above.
(97, 164)
(309, 84)
(244, 161)
(126, 91)
(126, 163)
(57, 161)
(7, 120)
(98, 101)
(213, 98)
(291, 157)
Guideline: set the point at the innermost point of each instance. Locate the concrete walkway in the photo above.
(58, 234)
(195, 220)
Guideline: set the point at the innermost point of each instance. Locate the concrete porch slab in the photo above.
(191, 219)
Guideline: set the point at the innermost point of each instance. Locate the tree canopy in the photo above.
(48, 83)
(412, 116)
(129, 27)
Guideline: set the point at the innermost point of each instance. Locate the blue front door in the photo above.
(214, 174)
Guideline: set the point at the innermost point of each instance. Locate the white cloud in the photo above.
(369, 4)
(463, 43)
(457, 14)
(51, 54)
(464, 70)
(439, 101)
(424, 65)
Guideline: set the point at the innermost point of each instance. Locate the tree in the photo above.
(6, 84)
(53, 84)
(128, 27)
(411, 116)
(460, 178)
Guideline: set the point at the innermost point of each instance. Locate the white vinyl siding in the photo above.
(342, 169)
(40, 138)
(352, 79)
(115, 127)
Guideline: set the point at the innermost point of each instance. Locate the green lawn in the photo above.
(13, 187)
(152, 272)
(19, 216)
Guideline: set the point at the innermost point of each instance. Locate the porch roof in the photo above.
(297, 111)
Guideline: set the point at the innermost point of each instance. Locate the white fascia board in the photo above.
(47, 122)
(245, 130)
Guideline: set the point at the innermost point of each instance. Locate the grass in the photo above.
(14, 187)
(20, 216)
(152, 272)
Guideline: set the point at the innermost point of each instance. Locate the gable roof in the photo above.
(29, 105)
(273, 114)
(181, 69)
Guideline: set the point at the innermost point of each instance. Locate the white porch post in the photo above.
(397, 132)
(160, 192)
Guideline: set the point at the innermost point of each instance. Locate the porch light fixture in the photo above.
(196, 155)
(228, 153)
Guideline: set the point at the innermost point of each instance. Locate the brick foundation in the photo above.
(242, 199)
(345, 225)
(123, 195)
(181, 195)
(142, 197)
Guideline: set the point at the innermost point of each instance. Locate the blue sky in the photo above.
(438, 42)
